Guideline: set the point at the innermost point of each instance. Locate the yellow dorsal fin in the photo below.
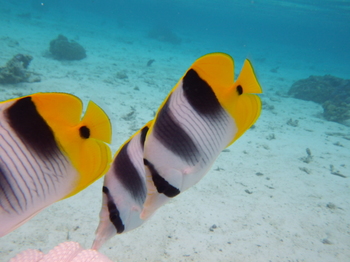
(81, 140)
(240, 101)
(217, 69)
(49, 104)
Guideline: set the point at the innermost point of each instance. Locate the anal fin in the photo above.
(161, 186)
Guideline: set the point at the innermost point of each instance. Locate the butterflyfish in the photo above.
(204, 113)
(124, 190)
(48, 152)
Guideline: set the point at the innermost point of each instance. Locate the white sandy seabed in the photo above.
(260, 202)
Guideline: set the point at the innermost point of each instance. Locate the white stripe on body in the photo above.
(29, 182)
(210, 136)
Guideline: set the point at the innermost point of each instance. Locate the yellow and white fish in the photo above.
(48, 152)
(204, 113)
(124, 190)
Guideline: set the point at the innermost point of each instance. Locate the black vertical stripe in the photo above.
(29, 125)
(199, 94)
(28, 145)
(163, 186)
(56, 165)
(210, 113)
(169, 132)
(203, 100)
(127, 174)
(114, 215)
(143, 136)
(206, 132)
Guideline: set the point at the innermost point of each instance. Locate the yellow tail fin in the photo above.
(49, 104)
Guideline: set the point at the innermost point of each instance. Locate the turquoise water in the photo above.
(285, 40)
(315, 32)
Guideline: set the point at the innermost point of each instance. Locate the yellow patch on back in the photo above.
(69, 106)
(217, 69)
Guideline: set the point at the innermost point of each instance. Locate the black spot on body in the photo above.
(114, 215)
(163, 186)
(84, 132)
(239, 89)
(31, 128)
(127, 174)
(174, 137)
(199, 94)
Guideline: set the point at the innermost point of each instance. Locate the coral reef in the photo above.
(62, 49)
(337, 112)
(164, 34)
(333, 93)
(16, 71)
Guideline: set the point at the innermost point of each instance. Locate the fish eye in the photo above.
(84, 132)
(239, 89)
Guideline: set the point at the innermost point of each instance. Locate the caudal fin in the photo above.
(247, 106)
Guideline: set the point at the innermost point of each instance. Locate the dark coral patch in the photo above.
(333, 93)
(62, 49)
